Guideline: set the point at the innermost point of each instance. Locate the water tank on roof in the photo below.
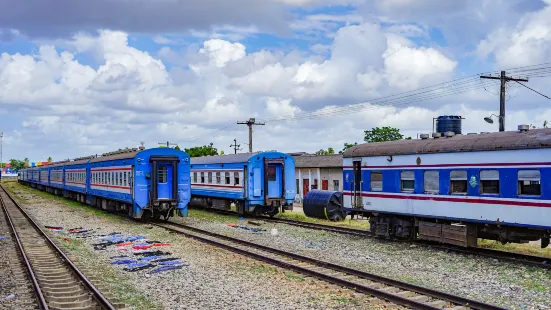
(448, 123)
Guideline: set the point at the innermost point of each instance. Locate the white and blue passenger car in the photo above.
(454, 190)
(257, 183)
(146, 183)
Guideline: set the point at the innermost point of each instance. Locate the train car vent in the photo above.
(523, 128)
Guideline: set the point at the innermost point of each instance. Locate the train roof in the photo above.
(125, 155)
(222, 159)
(506, 140)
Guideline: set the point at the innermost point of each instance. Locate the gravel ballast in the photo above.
(489, 280)
(213, 279)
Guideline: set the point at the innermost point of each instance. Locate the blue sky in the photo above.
(182, 71)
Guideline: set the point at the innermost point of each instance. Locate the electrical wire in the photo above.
(449, 88)
(533, 90)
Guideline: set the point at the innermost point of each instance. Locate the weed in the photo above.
(294, 277)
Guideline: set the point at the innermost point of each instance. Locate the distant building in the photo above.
(317, 172)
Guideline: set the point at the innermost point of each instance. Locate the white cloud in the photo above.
(529, 42)
(65, 107)
(221, 52)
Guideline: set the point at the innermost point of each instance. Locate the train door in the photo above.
(357, 185)
(164, 180)
(245, 181)
(273, 178)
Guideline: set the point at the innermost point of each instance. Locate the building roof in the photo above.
(506, 140)
(318, 161)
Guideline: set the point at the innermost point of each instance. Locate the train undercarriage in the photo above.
(449, 232)
(271, 208)
(164, 211)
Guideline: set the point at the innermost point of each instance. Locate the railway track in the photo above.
(56, 281)
(381, 288)
(530, 260)
(536, 261)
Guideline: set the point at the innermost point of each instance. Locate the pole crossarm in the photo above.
(503, 78)
(250, 123)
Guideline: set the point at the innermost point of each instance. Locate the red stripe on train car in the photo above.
(459, 199)
(453, 165)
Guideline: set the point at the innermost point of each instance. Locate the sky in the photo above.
(79, 78)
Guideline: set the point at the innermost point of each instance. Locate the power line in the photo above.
(533, 90)
(449, 88)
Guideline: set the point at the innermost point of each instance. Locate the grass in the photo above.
(346, 300)
(294, 277)
(117, 283)
(14, 187)
(294, 215)
(298, 215)
(522, 248)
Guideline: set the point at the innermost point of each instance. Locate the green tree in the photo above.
(347, 146)
(26, 161)
(545, 124)
(177, 148)
(50, 159)
(330, 151)
(204, 150)
(382, 134)
(17, 164)
(221, 152)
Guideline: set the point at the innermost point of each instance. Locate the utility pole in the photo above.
(168, 144)
(504, 79)
(250, 123)
(235, 146)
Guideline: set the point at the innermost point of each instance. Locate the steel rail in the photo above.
(531, 260)
(355, 286)
(98, 296)
(36, 287)
(536, 261)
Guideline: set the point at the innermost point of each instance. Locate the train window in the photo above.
(162, 174)
(227, 178)
(202, 177)
(489, 182)
(218, 178)
(529, 182)
(376, 181)
(407, 181)
(210, 177)
(120, 178)
(431, 182)
(458, 182)
(271, 173)
(124, 179)
(195, 177)
(236, 178)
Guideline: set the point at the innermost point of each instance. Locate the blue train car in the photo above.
(146, 183)
(257, 183)
(456, 189)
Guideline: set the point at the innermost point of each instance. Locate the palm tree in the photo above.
(50, 159)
